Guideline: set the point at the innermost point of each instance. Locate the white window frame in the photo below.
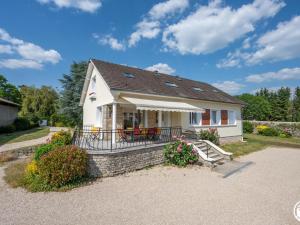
(200, 119)
(218, 117)
(234, 117)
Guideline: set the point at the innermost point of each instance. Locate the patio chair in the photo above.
(157, 133)
(136, 134)
(95, 133)
(122, 135)
(151, 133)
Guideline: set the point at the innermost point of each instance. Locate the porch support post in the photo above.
(159, 118)
(114, 122)
(146, 118)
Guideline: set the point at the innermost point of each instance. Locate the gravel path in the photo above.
(263, 193)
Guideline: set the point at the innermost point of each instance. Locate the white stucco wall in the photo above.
(223, 130)
(103, 96)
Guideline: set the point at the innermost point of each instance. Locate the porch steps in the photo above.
(211, 154)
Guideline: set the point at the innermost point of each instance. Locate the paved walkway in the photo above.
(264, 192)
(38, 141)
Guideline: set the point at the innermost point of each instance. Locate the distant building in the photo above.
(8, 112)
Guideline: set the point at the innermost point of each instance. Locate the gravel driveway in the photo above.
(263, 193)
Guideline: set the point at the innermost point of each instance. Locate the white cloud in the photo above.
(215, 26)
(111, 41)
(5, 49)
(230, 87)
(29, 55)
(162, 9)
(280, 44)
(149, 27)
(233, 59)
(20, 63)
(162, 68)
(89, 6)
(144, 29)
(283, 74)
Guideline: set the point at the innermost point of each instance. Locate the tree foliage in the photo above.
(272, 105)
(9, 91)
(72, 85)
(38, 103)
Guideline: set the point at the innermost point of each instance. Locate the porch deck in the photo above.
(107, 141)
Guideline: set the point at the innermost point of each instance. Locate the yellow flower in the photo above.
(260, 128)
(31, 167)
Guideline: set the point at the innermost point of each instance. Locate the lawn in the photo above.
(24, 135)
(257, 142)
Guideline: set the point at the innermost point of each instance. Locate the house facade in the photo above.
(120, 97)
(8, 112)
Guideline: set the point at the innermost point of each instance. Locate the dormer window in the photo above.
(215, 90)
(128, 75)
(170, 84)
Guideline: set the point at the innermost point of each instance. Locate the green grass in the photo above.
(24, 135)
(257, 142)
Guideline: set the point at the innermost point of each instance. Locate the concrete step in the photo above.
(218, 158)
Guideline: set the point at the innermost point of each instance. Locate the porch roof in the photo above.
(161, 105)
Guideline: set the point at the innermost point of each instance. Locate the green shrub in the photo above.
(7, 129)
(269, 131)
(63, 165)
(248, 127)
(180, 153)
(211, 135)
(62, 138)
(22, 123)
(42, 150)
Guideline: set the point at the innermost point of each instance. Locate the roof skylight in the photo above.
(197, 89)
(128, 75)
(170, 84)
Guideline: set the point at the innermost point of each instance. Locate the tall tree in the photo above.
(72, 85)
(296, 105)
(9, 91)
(256, 108)
(38, 103)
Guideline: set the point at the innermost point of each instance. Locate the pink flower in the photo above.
(179, 148)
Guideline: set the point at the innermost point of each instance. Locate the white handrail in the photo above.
(217, 148)
(203, 155)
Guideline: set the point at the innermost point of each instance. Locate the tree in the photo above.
(296, 105)
(38, 103)
(256, 108)
(9, 91)
(72, 85)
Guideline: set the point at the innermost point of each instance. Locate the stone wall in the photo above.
(110, 164)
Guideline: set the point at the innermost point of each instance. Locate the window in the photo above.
(197, 89)
(169, 84)
(215, 90)
(93, 84)
(231, 118)
(99, 116)
(128, 75)
(133, 119)
(215, 117)
(195, 118)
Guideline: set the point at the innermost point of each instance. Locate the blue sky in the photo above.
(238, 46)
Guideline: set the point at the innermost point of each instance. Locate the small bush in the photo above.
(63, 165)
(267, 131)
(248, 127)
(61, 137)
(44, 149)
(180, 153)
(22, 123)
(7, 129)
(31, 167)
(211, 135)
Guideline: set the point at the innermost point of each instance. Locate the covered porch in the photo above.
(131, 122)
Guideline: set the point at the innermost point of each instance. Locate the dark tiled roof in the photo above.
(148, 82)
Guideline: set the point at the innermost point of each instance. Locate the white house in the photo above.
(121, 97)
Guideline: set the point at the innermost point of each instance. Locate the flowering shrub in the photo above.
(180, 153)
(267, 131)
(285, 133)
(61, 137)
(211, 134)
(31, 167)
(63, 165)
